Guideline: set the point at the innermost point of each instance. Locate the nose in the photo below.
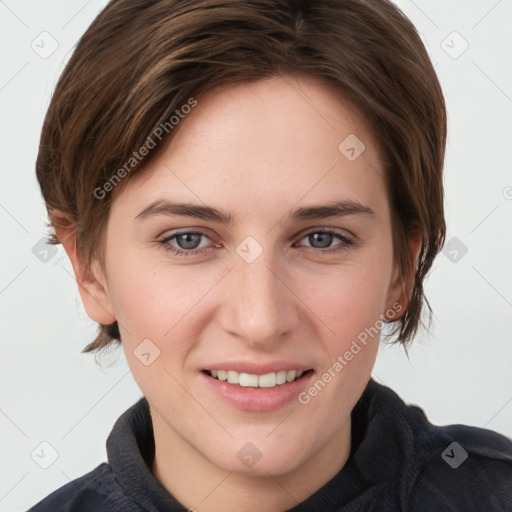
(259, 305)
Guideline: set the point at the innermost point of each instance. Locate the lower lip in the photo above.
(258, 399)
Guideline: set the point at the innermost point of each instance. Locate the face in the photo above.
(257, 248)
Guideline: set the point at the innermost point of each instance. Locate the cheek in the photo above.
(156, 300)
(349, 297)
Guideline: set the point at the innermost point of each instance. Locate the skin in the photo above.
(257, 150)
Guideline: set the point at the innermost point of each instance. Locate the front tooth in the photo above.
(248, 380)
(281, 377)
(290, 376)
(267, 381)
(233, 377)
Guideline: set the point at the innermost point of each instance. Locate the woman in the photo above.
(248, 192)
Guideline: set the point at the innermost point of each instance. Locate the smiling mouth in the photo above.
(268, 380)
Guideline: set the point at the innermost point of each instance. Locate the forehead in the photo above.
(300, 108)
(261, 138)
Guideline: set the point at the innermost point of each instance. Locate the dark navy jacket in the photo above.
(399, 461)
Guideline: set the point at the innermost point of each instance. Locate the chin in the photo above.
(261, 458)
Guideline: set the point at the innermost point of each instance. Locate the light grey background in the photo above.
(52, 393)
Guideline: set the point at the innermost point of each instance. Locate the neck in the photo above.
(199, 484)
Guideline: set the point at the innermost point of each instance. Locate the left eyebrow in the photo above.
(333, 209)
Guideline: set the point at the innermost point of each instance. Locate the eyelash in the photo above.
(345, 242)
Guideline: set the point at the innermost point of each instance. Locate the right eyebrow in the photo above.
(162, 207)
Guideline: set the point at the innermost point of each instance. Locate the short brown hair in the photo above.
(140, 61)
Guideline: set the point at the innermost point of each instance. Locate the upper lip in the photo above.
(258, 368)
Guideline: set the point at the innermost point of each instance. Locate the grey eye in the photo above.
(323, 239)
(186, 240)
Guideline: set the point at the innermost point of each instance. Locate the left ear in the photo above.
(401, 286)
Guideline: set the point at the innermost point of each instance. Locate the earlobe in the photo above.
(93, 292)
